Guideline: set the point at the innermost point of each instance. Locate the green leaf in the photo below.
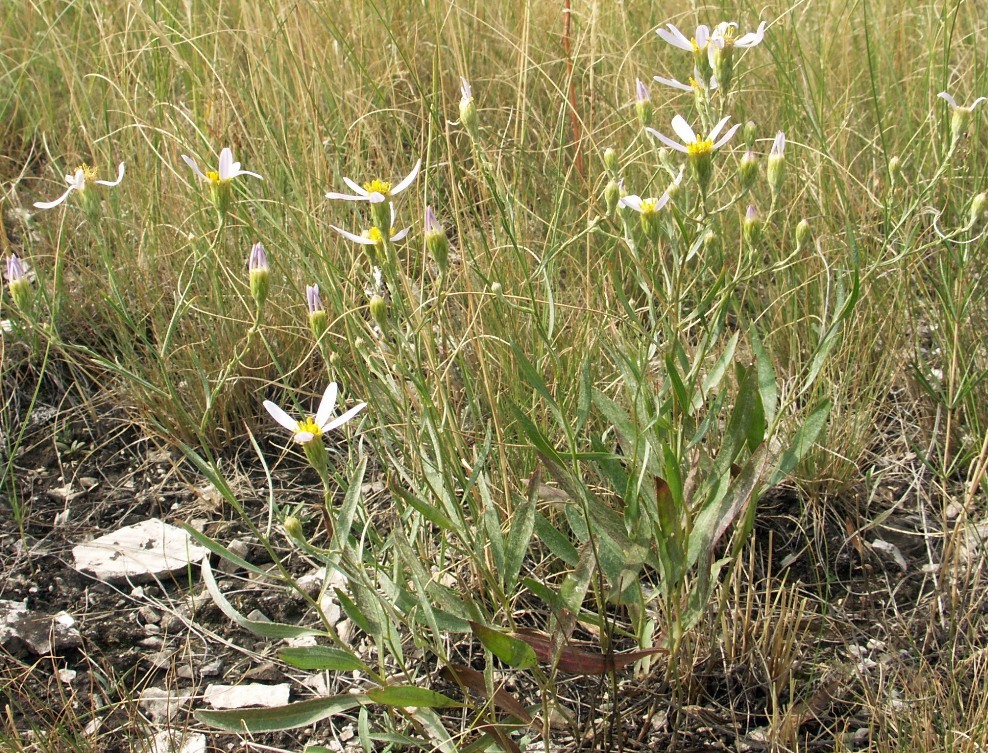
(584, 397)
(292, 716)
(522, 524)
(257, 627)
(767, 386)
(216, 548)
(802, 442)
(511, 651)
(318, 658)
(427, 511)
(348, 509)
(556, 542)
(404, 696)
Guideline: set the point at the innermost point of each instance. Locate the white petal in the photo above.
(195, 168)
(281, 417)
(56, 202)
(752, 38)
(716, 129)
(355, 187)
(950, 100)
(353, 237)
(120, 174)
(346, 197)
(977, 102)
(376, 197)
(702, 36)
(326, 405)
(78, 181)
(673, 83)
(226, 164)
(408, 179)
(239, 172)
(631, 200)
(667, 141)
(400, 235)
(727, 136)
(662, 201)
(674, 37)
(303, 437)
(340, 420)
(683, 130)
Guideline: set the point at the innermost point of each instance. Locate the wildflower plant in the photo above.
(220, 179)
(79, 181)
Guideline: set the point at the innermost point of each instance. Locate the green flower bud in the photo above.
(612, 193)
(293, 528)
(802, 234)
(379, 310)
(611, 161)
(259, 275)
(436, 241)
(776, 165)
(468, 110)
(643, 104)
(752, 227)
(750, 134)
(895, 171)
(748, 170)
(19, 285)
(979, 204)
(318, 318)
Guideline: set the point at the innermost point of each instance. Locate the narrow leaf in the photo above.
(292, 716)
(405, 696)
(510, 650)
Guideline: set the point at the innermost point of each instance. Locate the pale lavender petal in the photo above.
(238, 172)
(56, 202)
(752, 38)
(326, 406)
(779, 145)
(702, 36)
(120, 174)
(400, 235)
(281, 417)
(408, 179)
(195, 168)
(977, 102)
(727, 136)
(683, 130)
(674, 83)
(466, 92)
(303, 437)
(353, 237)
(340, 420)
(641, 91)
(376, 197)
(667, 141)
(662, 201)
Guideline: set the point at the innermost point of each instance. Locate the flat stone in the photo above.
(22, 630)
(143, 551)
(251, 694)
(161, 705)
(176, 741)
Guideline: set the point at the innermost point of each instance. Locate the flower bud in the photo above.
(497, 290)
(318, 318)
(752, 226)
(293, 528)
(750, 134)
(259, 274)
(895, 171)
(611, 161)
(748, 170)
(711, 244)
(721, 55)
(379, 310)
(18, 284)
(612, 193)
(776, 164)
(468, 110)
(436, 241)
(960, 120)
(315, 453)
(802, 234)
(643, 103)
(979, 205)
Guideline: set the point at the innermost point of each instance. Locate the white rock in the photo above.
(21, 629)
(251, 694)
(161, 705)
(139, 552)
(174, 741)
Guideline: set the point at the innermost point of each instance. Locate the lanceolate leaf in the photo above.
(292, 716)
(405, 696)
(513, 652)
(580, 661)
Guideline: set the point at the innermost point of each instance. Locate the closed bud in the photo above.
(643, 103)
(612, 193)
(776, 164)
(750, 134)
(497, 290)
(979, 205)
(318, 318)
(379, 310)
(895, 171)
(960, 121)
(802, 234)
(436, 241)
(259, 274)
(748, 170)
(293, 528)
(711, 244)
(611, 160)
(752, 226)
(468, 110)
(18, 284)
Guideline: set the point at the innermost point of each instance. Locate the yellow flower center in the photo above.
(310, 426)
(88, 173)
(696, 47)
(700, 148)
(374, 234)
(649, 206)
(378, 186)
(214, 177)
